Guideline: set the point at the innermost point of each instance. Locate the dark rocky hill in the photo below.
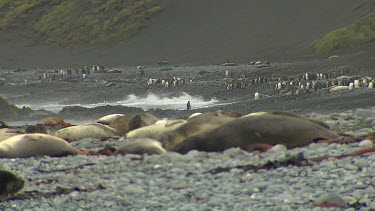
(182, 32)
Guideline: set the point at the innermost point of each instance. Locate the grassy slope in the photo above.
(71, 22)
(185, 32)
(360, 32)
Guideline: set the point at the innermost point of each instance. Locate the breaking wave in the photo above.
(148, 102)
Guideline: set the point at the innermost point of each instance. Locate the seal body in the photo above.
(214, 113)
(9, 132)
(121, 124)
(263, 129)
(27, 145)
(108, 119)
(193, 127)
(156, 130)
(338, 88)
(90, 130)
(141, 120)
(53, 122)
(141, 146)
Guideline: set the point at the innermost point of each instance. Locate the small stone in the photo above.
(196, 154)
(363, 132)
(351, 167)
(187, 207)
(334, 116)
(278, 148)
(330, 199)
(134, 189)
(364, 112)
(182, 185)
(366, 143)
(201, 195)
(361, 163)
(350, 200)
(234, 151)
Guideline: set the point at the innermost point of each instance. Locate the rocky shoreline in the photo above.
(197, 180)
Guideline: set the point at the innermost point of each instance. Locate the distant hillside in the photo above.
(72, 22)
(362, 31)
(50, 33)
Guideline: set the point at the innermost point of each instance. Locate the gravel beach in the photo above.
(243, 56)
(193, 182)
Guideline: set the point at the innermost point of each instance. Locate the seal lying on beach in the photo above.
(121, 124)
(339, 88)
(53, 122)
(193, 127)
(27, 145)
(258, 131)
(90, 130)
(9, 132)
(108, 119)
(156, 130)
(141, 120)
(141, 146)
(126, 123)
(214, 113)
(323, 124)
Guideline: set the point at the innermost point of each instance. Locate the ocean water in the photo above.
(145, 103)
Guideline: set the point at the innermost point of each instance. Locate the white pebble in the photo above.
(366, 143)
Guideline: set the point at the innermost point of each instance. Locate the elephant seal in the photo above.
(193, 127)
(27, 145)
(253, 131)
(215, 113)
(323, 124)
(53, 122)
(141, 146)
(338, 88)
(121, 124)
(37, 129)
(107, 120)
(90, 130)
(156, 130)
(141, 120)
(9, 132)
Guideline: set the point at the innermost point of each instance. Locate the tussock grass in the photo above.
(360, 32)
(72, 22)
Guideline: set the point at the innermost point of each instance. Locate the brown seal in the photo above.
(53, 122)
(121, 124)
(141, 120)
(156, 130)
(253, 131)
(193, 127)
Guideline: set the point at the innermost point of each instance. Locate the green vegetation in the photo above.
(72, 22)
(360, 32)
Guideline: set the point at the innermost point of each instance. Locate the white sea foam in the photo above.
(148, 102)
